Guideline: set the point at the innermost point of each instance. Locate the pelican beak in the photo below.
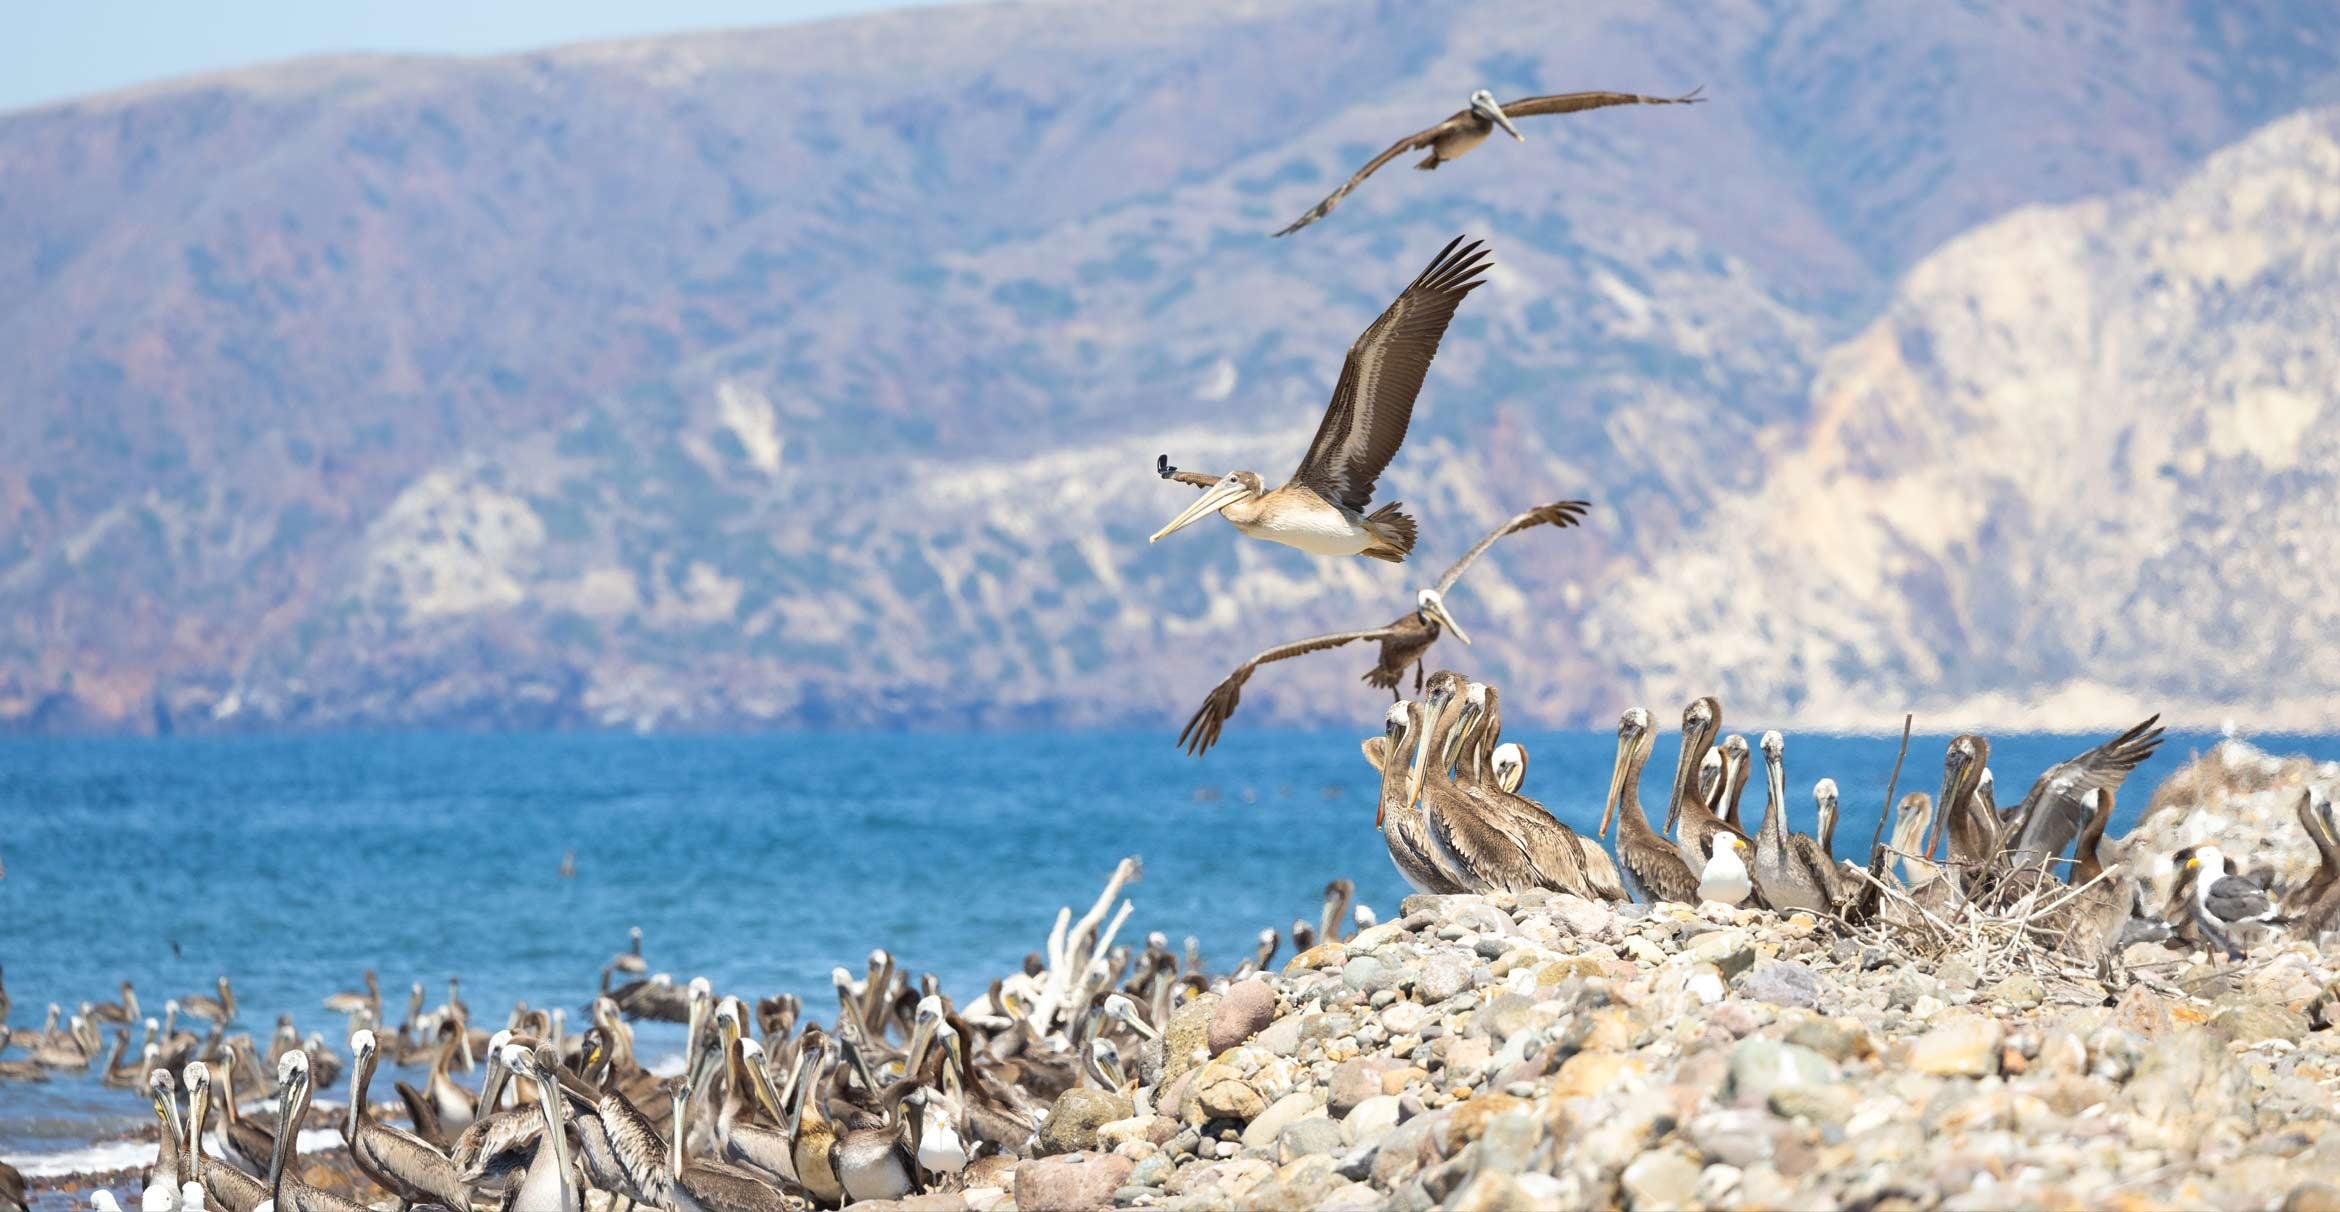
(1504, 120)
(1415, 767)
(1437, 610)
(1215, 498)
(1616, 789)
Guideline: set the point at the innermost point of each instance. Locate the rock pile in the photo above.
(1549, 1052)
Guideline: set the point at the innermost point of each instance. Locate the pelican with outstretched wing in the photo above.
(1404, 642)
(1470, 127)
(1322, 508)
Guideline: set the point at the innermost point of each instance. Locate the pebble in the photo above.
(1961, 1044)
(1442, 977)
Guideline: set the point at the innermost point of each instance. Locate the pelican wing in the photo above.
(1199, 479)
(1559, 513)
(2058, 804)
(1419, 139)
(1569, 103)
(1202, 731)
(1371, 405)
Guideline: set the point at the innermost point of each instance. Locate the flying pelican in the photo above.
(1321, 509)
(1789, 876)
(1404, 642)
(1470, 126)
(399, 1160)
(1652, 867)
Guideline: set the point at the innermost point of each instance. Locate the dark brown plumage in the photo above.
(1405, 642)
(1469, 126)
(2059, 804)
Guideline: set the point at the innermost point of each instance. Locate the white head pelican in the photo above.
(1470, 126)
(1322, 508)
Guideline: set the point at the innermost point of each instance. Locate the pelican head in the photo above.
(1431, 605)
(1824, 798)
(1633, 739)
(1483, 104)
(1394, 724)
(1509, 764)
(1234, 486)
(1710, 775)
(1773, 745)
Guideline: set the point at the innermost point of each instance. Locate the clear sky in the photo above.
(58, 49)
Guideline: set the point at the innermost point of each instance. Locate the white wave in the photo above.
(113, 1155)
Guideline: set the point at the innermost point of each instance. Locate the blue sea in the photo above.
(760, 862)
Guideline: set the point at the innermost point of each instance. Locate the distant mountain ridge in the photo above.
(813, 375)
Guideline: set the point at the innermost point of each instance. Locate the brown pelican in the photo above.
(881, 1161)
(2316, 907)
(1912, 820)
(1790, 876)
(350, 1001)
(752, 1130)
(1564, 861)
(1737, 766)
(19, 1070)
(164, 1178)
(1508, 765)
(705, 1186)
(1824, 805)
(226, 1186)
(550, 1184)
(244, 1138)
(1724, 880)
(1471, 125)
(2216, 902)
(124, 1011)
(628, 961)
(2058, 805)
(1404, 642)
(1482, 848)
(221, 1009)
(402, 1162)
(292, 1100)
(1696, 825)
(1973, 834)
(1399, 814)
(12, 1196)
(1321, 509)
(812, 1132)
(1652, 867)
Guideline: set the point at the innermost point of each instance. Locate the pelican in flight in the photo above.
(1470, 126)
(1322, 508)
(1404, 642)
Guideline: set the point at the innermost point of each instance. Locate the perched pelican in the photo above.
(1973, 835)
(1913, 819)
(12, 1197)
(1696, 825)
(1652, 867)
(881, 1161)
(164, 1179)
(811, 1130)
(550, 1184)
(1470, 126)
(1562, 860)
(2058, 805)
(292, 1100)
(1509, 765)
(1824, 806)
(2215, 901)
(1724, 880)
(1321, 510)
(704, 1186)
(1399, 814)
(402, 1162)
(1737, 766)
(225, 1185)
(1788, 875)
(1404, 642)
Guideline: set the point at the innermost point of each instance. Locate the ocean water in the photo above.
(759, 862)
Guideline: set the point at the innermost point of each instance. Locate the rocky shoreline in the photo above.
(1548, 1052)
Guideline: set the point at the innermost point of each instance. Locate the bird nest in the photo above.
(2003, 921)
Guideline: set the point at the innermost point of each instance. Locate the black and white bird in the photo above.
(2217, 902)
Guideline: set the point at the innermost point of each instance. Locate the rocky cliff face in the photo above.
(2081, 466)
(813, 375)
